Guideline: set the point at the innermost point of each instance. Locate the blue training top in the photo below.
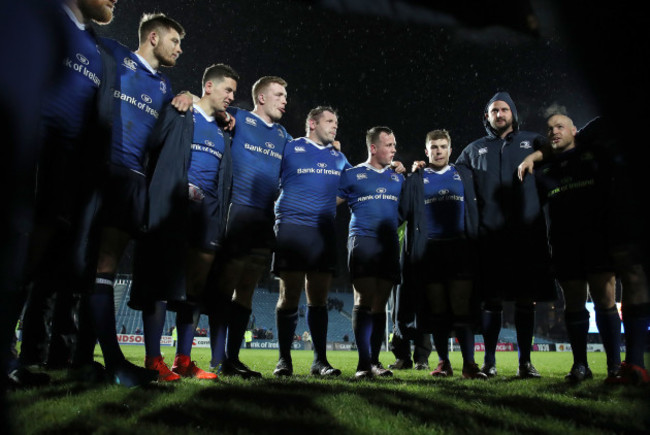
(309, 181)
(140, 95)
(70, 101)
(444, 203)
(207, 151)
(373, 197)
(257, 149)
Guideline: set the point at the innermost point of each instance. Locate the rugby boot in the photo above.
(629, 374)
(129, 375)
(234, 367)
(283, 368)
(186, 368)
(490, 370)
(323, 369)
(443, 370)
(421, 366)
(579, 373)
(378, 370)
(401, 364)
(471, 371)
(157, 363)
(527, 370)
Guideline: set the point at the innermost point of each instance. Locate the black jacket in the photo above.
(160, 257)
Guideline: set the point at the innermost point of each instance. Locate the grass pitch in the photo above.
(412, 402)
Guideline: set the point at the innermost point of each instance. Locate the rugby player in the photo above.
(513, 247)
(372, 190)
(257, 148)
(440, 208)
(305, 255)
(140, 94)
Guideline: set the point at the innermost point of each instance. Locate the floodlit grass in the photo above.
(411, 402)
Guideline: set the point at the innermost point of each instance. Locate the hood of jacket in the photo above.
(500, 96)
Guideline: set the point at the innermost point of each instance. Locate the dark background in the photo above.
(402, 64)
(416, 65)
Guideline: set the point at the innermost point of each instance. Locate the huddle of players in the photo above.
(198, 194)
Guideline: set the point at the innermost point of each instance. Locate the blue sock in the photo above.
(491, 323)
(636, 319)
(317, 319)
(577, 328)
(187, 318)
(377, 335)
(525, 325)
(102, 307)
(153, 323)
(609, 327)
(362, 327)
(237, 323)
(441, 330)
(465, 335)
(285, 322)
(218, 321)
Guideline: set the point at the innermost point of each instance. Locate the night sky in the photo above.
(412, 68)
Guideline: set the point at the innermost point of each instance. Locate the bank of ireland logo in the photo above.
(443, 192)
(146, 98)
(209, 143)
(381, 190)
(82, 59)
(322, 165)
(269, 145)
(130, 63)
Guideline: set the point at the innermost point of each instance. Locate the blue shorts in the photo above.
(248, 229)
(303, 248)
(449, 259)
(576, 254)
(204, 227)
(124, 200)
(372, 257)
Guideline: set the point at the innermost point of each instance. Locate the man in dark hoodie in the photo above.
(514, 256)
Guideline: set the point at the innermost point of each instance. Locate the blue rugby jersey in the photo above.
(444, 203)
(309, 181)
(373, 197)
(207, 150)
(140, 95)
(70, 101)
(257, 149)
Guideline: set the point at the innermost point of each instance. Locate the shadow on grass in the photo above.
(312, 406)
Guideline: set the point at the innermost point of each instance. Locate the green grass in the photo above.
(410, 403)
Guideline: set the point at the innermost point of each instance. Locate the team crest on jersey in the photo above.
(482, 151)
(269, 145)
(525, 145)
(394, 177)
(208, 142)
(299, 149)
(130, 63)
(321, 165)
(381, 190)
(146, 98)
(81, 58)
(251, 121)
(163, 87)
(362, 176)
